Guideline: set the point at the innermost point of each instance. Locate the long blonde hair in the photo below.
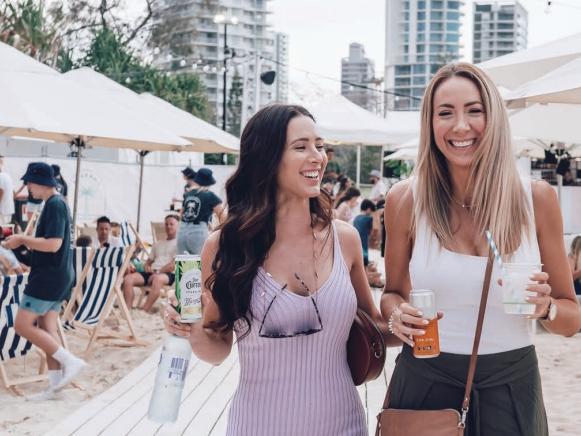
(498, 200)
(576, 252)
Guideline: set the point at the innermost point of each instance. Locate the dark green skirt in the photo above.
(506, 399)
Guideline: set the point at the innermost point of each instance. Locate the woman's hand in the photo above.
(543, 297)
(171, 318)
(406, 321)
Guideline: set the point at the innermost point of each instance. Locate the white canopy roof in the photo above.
(522, 66)
(550, 122)
(562, 85)
(39, 102)
(203, 136)
(342, 122)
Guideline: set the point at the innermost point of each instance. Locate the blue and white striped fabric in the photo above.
(98, 283)
(127, 236)
(11, 345)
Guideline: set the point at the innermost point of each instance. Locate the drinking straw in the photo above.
(493, 247)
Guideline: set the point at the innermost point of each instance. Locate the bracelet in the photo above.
(390, 322)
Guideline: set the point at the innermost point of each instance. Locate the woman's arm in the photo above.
(549, 223)
(207, 344)
(343, 212)
(353, 255)
(398, 221)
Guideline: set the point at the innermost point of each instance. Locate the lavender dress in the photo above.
(299, 386)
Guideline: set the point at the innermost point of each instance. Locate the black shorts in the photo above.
(146, 276)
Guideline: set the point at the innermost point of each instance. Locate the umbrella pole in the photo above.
(77, 144)
(358, 174)
(142, 155)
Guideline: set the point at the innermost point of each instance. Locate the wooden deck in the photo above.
(122, 410)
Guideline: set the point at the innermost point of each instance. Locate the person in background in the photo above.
(6, 195)
(104, 237)
(188, 175)
(50, 279)
(379, 189)
(575, 263)
(32, 204)
(333, 169)
(346, 204)
(568, 179)
(364, 225)
(158, 270)
(367, 224)
(61, 187)
(343, 183)
(198, 206)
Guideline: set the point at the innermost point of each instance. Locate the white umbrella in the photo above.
(39, 102)
(203, 136)
(549, 122)
(403, 153)
(562, 85)
(342, 122)
(523, 66)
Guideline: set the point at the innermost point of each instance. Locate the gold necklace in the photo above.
(462, 205)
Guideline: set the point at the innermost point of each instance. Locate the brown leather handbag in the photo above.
(446, 422)
(365, 349)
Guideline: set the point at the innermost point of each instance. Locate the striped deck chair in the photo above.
(11, 345)
(99, 275)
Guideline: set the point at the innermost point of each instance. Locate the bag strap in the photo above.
(474, 356)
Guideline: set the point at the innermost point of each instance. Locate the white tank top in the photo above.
(457, 280)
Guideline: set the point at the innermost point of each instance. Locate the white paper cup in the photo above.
(516, 279)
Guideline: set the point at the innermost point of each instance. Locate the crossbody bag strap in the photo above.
(474, 356)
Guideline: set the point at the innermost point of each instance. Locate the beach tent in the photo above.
(39, 102)
(562, 85)
(549, 122)
(202, 136)
(523, 66)
(342, 122)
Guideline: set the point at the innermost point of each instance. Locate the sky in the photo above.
(320, 32)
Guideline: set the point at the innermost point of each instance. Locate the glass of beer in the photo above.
(427, 345)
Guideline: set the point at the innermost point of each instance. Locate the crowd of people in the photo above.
(288, 265)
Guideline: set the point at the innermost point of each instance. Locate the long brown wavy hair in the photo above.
(249, 230)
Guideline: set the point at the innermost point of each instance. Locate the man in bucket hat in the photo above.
(50, 279)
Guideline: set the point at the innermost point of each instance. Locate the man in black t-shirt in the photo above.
(50, 279)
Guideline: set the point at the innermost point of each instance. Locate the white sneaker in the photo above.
(73, 367)
(47, 394)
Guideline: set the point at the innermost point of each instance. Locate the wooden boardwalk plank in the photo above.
(93, 407)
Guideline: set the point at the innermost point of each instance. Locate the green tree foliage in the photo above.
(347, 158)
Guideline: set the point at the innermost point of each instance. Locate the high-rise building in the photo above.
(358, 70)
(195, 41)
(500, 27)
(281, 67)
(421, 36)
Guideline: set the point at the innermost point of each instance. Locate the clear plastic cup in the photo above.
(516, 279)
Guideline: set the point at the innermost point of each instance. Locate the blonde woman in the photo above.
(575, 263)
(466, 182)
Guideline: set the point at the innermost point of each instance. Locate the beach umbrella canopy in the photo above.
(562, 85)
(342, 122)
(523, 66)
(549, 122)
(39, 102)
(204, 137)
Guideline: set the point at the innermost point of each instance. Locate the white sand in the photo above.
(107, 365)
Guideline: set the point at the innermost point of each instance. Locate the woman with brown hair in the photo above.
(466, 182)
(575, 263)
(286, 279)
